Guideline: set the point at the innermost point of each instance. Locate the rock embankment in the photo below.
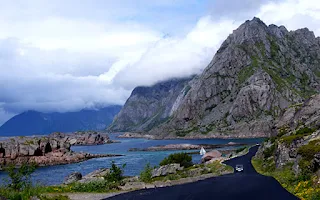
(49, 150)
(170, 147)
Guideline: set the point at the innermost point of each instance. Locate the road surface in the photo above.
(240, 185)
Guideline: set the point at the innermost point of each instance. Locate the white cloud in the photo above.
(63, 58)
(177, 57)
(294, 14)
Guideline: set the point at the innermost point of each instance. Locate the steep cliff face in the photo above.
(293, 155)
(258, 71)
(148, 106)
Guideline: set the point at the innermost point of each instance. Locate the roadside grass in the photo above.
(216, 168)
(20, 187)
(27, 193)
(108, 184)
(304, 189)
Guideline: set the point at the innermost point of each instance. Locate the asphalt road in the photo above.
(240, 185)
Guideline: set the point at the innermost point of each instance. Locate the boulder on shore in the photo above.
(73, 177)
(166, 169)
(95, 175)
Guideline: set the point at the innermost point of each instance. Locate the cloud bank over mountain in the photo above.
(66, 56)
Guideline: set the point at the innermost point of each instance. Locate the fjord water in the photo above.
(135, 161)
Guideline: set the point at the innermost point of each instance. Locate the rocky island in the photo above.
(54, 149)
(171, 147)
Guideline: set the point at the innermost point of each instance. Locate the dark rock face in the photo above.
(148, 106)
(256, 74)
(32, 122)
(307, 113)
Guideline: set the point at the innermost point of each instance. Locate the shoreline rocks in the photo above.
(96, 175)
(83, 138)
(54, 149)
(73, 177)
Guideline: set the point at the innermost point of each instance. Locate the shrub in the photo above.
(289, 139)
(306, 170)
(268, 152)
(146, 174)
(299, 134)
(116, 173)
(308, 151)
(183, 159)
(19, 178)
(305, 131)
(315, 195)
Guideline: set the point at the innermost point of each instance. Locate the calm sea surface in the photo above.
(135, 161)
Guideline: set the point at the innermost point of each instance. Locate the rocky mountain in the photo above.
(256, 74)
(148, 107)
(32, 122)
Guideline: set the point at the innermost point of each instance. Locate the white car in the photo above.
(239, 168)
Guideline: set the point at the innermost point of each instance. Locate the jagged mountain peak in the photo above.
(255, 22)
(257, 72)
(255, 75)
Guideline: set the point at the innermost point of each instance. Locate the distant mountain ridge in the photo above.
(34, 123)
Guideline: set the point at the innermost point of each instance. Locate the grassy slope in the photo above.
(304, 189)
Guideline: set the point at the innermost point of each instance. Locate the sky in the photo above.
(60, 56)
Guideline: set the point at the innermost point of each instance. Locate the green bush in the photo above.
(291, 138)
(299, 134)
(308, 151)
(183, 159)
(19, 178)
(315, 196)
(146, 174)
(19, 183)
(116, 173)
(306, 170)
(268, 152)
(305, 131)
